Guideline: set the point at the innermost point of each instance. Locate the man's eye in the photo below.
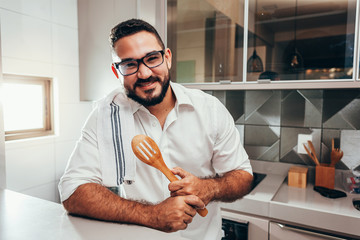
(129, 65)
(153, 58)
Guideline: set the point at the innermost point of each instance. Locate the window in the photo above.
(27, 106)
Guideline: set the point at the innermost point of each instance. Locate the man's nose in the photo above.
(144, 72)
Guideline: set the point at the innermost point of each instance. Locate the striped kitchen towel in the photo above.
(115, 132)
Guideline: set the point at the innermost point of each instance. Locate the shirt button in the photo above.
(129, 182)
(154, 124)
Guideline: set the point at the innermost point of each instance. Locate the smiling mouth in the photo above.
(146, 83)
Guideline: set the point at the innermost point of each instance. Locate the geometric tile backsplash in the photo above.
(270, 121)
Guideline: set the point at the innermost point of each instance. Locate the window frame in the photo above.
(48, 128)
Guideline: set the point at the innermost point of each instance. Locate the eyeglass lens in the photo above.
(151, 60)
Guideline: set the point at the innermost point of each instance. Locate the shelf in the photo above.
(329, 84)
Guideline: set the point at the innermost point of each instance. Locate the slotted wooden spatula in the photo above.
(335, 155)
(148, 151)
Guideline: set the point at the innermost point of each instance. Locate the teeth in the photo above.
(145, 84)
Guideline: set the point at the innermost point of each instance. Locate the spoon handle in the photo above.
(168, 173)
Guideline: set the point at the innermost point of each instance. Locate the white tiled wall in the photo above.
(40, 37)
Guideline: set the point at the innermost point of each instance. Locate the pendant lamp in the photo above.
(296, 60)
(254, 64)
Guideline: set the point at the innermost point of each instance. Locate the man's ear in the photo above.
(113, 68)
(168, 57)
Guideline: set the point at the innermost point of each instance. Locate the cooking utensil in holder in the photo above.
(324, 173)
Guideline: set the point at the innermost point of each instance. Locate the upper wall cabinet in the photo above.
(246, 43)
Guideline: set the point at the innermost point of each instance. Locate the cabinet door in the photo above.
(279, 232)
(258, 227)
(305, 41)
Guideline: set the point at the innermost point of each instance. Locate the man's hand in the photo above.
(229, 187)
(190, 185)
(175, 213)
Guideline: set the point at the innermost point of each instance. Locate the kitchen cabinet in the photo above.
(298, 42)
(263, 228)
(278, 231)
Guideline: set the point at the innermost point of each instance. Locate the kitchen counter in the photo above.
(25, 217)
(273, 199)
(307, 207)
(258, 201)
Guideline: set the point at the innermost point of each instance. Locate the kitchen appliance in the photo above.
(234, 230)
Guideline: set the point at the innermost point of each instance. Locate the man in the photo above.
(194, 131)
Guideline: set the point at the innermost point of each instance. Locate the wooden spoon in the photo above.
(147, 151)
(312, 149)
(336, 154)
(312, 153)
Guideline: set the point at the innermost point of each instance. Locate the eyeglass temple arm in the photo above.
(113, 68)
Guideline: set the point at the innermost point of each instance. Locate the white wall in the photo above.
(2, 137)
(40, 37)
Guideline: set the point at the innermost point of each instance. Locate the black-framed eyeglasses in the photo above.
(131, 66)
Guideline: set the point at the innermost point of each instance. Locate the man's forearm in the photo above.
(95, 201)
(230, 187)
(227, 188)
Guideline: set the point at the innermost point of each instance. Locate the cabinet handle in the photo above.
(289, 228)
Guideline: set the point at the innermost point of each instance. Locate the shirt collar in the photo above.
(181, 97)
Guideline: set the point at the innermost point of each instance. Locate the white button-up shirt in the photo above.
(199, 136)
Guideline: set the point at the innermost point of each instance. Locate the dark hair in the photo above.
(130, 27)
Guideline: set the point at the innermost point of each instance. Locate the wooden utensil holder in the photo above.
(325, 176)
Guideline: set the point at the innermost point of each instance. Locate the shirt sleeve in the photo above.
(229, 153)
(84, 164)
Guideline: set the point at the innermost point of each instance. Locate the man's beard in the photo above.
(150, 101)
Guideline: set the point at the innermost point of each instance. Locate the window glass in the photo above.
(301, 39)
(26, 105)
(286, 40)
(206, 39)
(23, 106)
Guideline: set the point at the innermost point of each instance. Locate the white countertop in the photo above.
(258, 201)
(25, 217)
(275, 200)
(307, 207)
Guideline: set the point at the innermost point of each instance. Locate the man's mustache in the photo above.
(139, 81)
